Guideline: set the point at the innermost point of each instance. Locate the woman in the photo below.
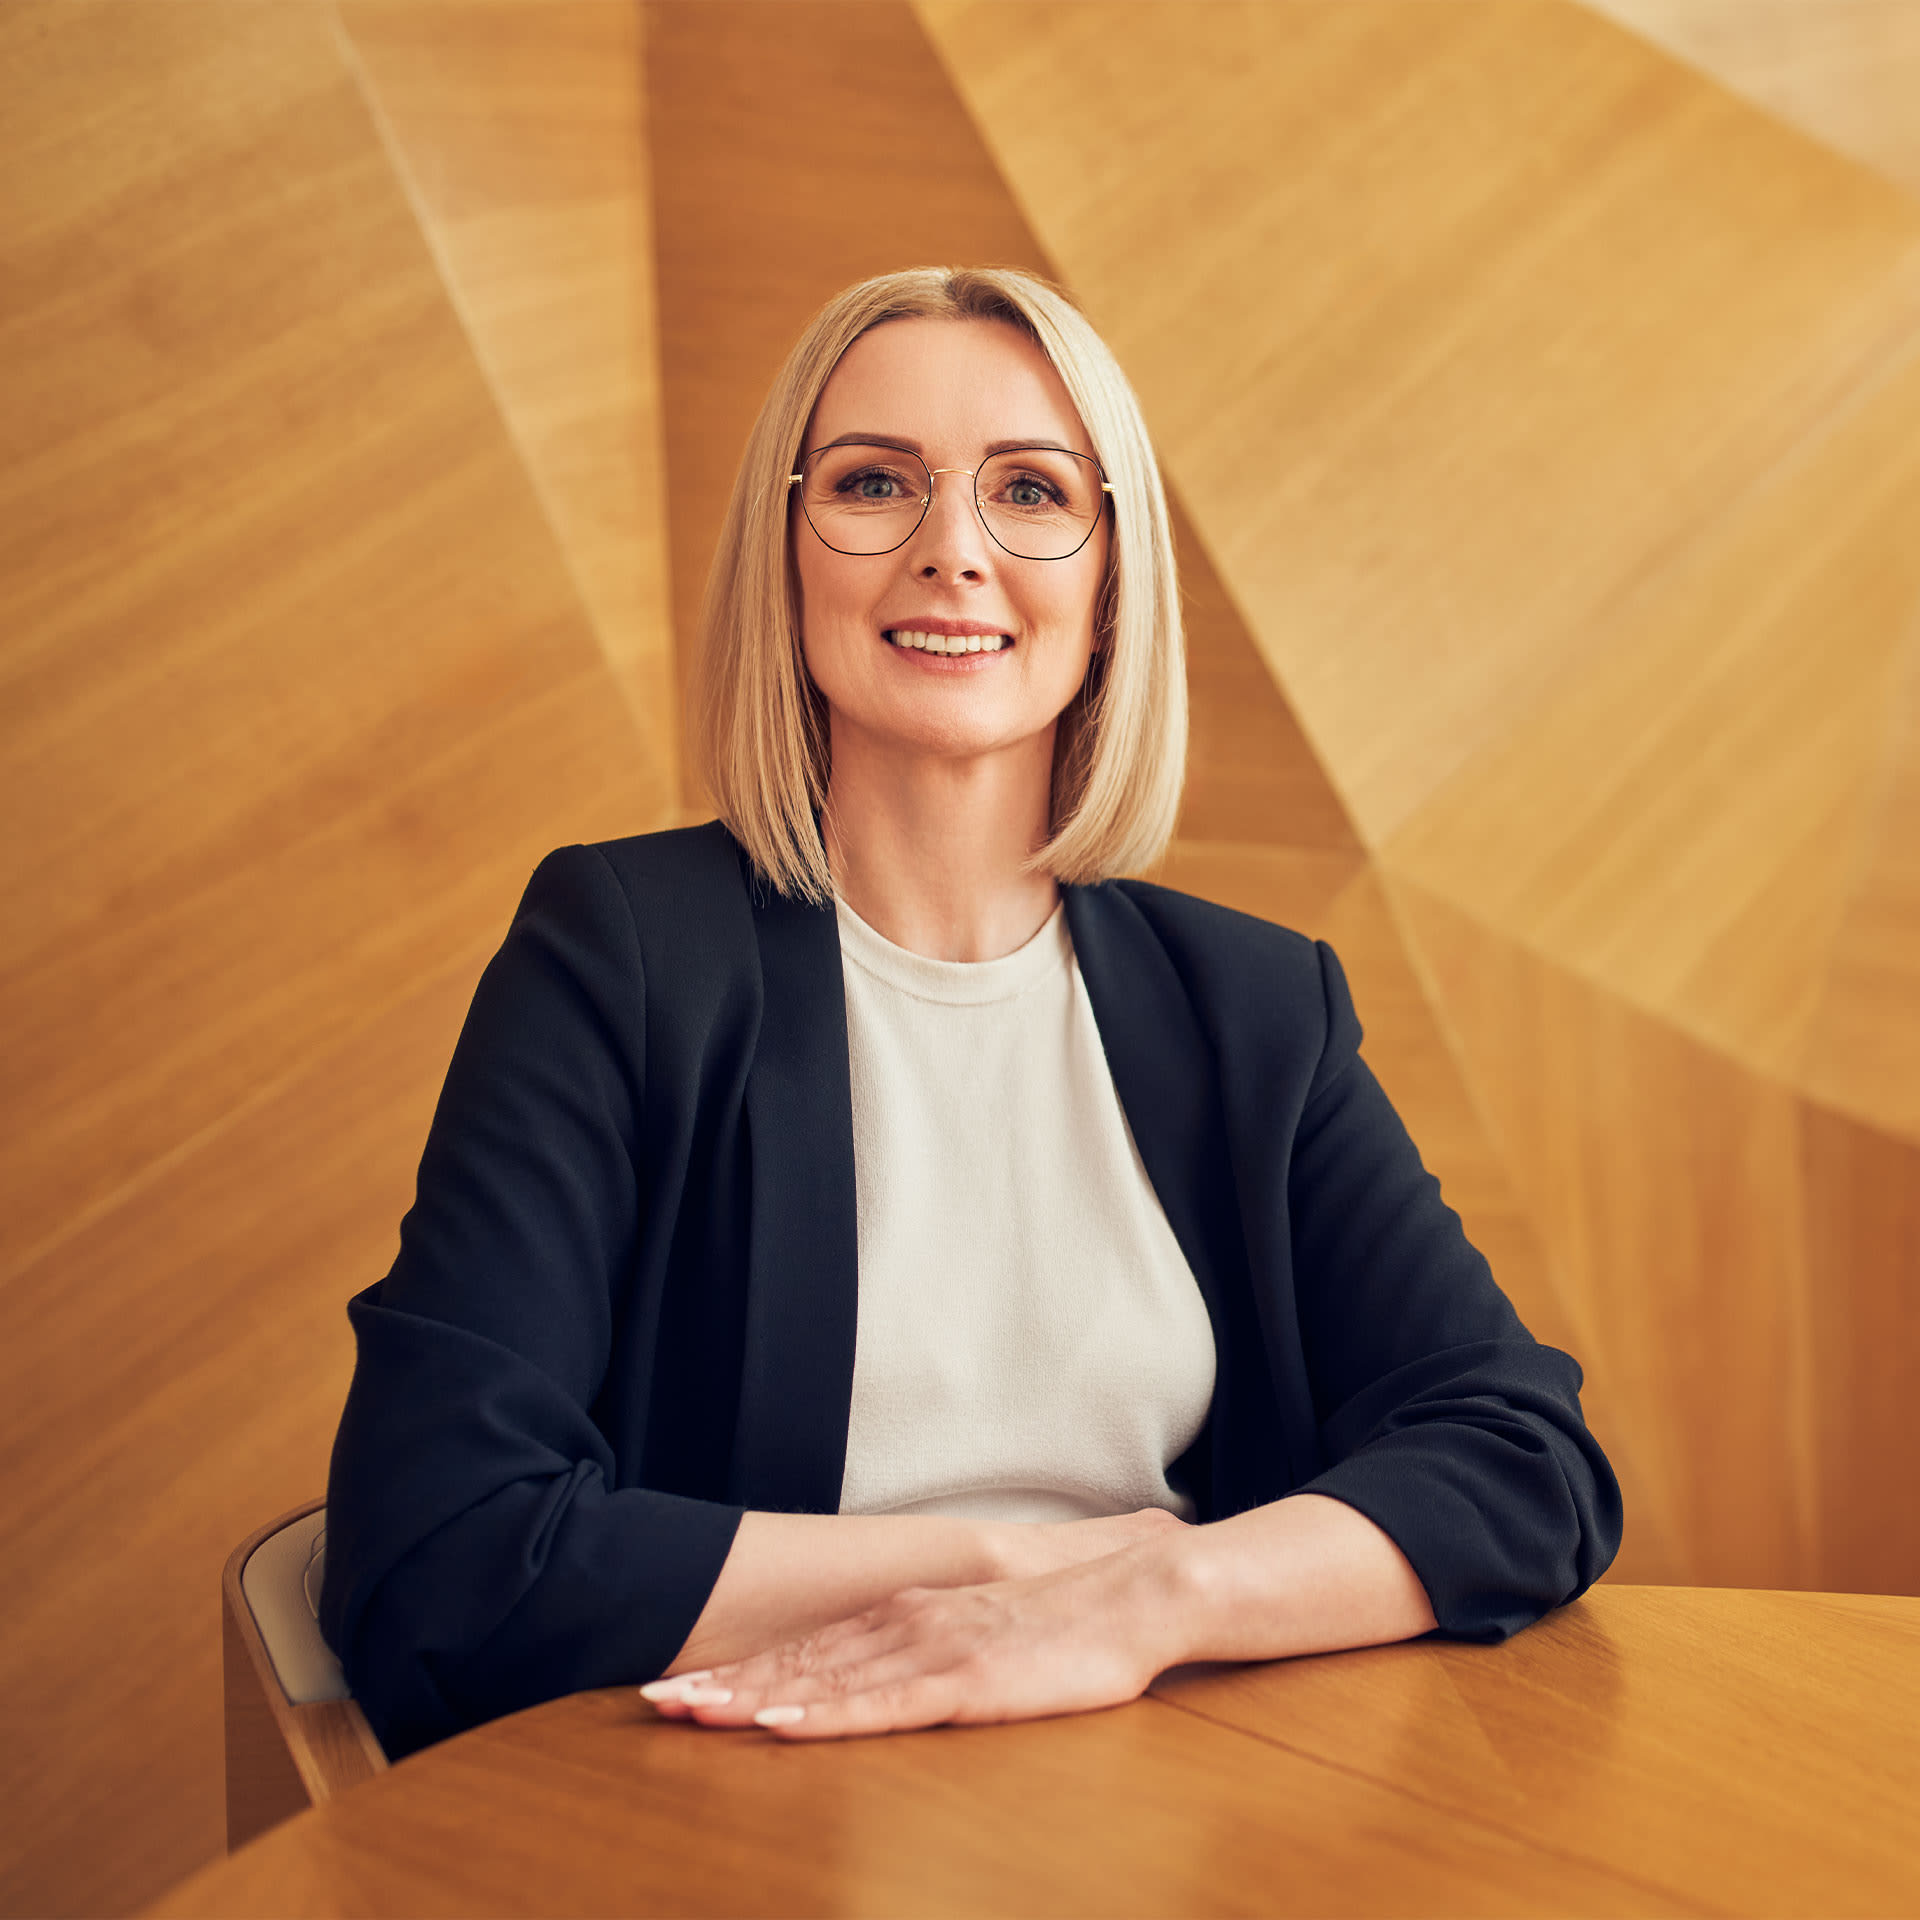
(872, 1268)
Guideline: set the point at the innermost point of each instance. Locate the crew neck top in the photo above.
(1032, 1344)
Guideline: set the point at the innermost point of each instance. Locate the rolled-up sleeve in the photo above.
(1442, 1419)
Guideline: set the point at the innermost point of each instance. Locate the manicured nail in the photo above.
(706, 1696)
(674, 1687)
(779, 1716)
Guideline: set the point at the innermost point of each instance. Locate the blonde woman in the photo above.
(873, 1266)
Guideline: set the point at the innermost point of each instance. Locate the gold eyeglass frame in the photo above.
(926, 500)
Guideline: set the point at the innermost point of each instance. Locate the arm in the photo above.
(1462, 1489)
(486, 1547)
(790, 1574)
(1303, 1575)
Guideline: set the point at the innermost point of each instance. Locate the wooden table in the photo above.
(1647, 1750)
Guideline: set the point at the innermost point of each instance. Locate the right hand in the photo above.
(1026, 1551)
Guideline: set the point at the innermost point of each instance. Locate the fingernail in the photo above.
(779, 1716)
(674, 1687)
(706, 1696)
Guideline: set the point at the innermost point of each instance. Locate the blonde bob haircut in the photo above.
(760, 725)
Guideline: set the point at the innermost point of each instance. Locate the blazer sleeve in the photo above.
(481, 1552)
(1444, 1421)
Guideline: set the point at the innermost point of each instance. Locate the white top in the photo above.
(1032, 1344)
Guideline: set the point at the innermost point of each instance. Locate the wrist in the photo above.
(1167, 1592)
(1002, 1551)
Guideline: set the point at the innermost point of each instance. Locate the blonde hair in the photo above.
(759, 724)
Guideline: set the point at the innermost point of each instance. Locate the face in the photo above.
(951, 391)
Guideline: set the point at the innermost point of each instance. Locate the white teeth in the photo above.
(948, 642)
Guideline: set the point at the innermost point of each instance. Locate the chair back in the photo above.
(294, 1736)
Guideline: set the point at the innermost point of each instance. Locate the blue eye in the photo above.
(875, 484)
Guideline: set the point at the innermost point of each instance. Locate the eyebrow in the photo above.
(908, 445)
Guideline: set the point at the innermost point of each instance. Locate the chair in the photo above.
(295, 1738)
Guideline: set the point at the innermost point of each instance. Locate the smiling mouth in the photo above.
(915, 641)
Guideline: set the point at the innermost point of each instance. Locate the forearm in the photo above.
(1306, 1574)
(790, 1573)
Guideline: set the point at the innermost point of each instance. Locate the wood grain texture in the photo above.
(296, 687)
(1665, 1179)
(1452, 323)
(1862, 1214)
(1649, 1750)
(1145, 1810)
(520, 130)
(282, 1756)
(1744, 1752)
(1683, 819)
(1845, 71)
(1862, 1049)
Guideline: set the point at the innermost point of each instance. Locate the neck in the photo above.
(932, 852)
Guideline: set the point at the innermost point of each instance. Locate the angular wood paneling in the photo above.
(1453, 322)
(520, 129)
(1665, 1179)
(1862, 1215)
(295, 687)
(1845, 71)
(1862, 1049)
(1681, 820)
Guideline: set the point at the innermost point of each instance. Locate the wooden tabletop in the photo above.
(1647, 1750)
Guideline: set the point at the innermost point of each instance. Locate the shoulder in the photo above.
(683, 880)
(1254, 983)
(1216, 946)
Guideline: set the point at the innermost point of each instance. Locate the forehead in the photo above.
(949, 387)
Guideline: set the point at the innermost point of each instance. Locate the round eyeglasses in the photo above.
(1039, 503)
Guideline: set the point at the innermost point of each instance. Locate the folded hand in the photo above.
(1091, 1635)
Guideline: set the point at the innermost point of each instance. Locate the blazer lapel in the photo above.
(790, 1446)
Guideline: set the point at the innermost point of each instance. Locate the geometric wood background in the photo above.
(1543, 425)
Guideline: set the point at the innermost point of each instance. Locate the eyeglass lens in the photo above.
(1038, 503)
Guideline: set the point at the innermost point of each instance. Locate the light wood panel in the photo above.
(1862, 1213)
(296, 686)
(520, 130)
(1252, 776)
(1665, 1179)
(1453, 323)
(1862, 1047)
(1682, 820)
(1845, 71)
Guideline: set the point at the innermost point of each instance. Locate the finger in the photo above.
(897, 1706)
(846, 1643)
(729, 1697)
(886, 1667)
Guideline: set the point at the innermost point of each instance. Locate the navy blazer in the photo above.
(624, 1305)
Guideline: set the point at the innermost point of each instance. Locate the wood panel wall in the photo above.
(305, 664)
(1540, 422)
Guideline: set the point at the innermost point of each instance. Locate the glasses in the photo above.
(1039, 503)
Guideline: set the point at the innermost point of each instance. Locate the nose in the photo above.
(951, 543)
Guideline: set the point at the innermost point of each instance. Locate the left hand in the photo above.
(1089, 1636)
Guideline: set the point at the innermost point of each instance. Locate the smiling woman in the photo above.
(872, 1266)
